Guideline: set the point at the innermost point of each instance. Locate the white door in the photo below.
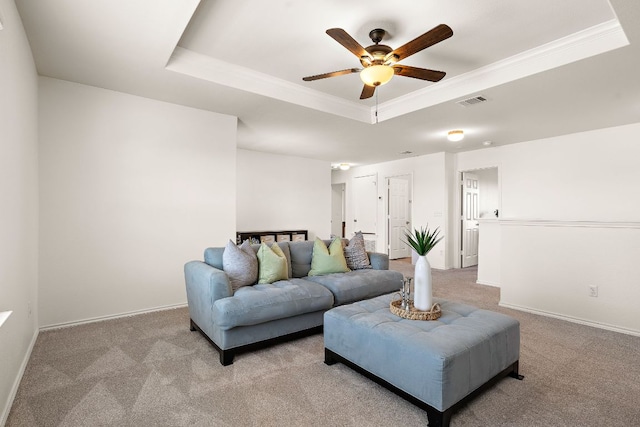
(470, 215)
(365, 203)
(399, 215)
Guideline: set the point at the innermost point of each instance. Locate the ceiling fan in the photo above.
(379, 60)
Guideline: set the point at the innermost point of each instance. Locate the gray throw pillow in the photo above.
(356, 254)
(240, 264)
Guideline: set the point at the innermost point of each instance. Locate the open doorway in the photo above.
(479, 200)
(338, 221)
(398, 215)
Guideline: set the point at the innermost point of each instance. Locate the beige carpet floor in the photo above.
(150, 370)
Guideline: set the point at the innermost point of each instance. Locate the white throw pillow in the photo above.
(240, 264)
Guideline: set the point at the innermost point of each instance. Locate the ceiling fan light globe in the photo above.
(376, 75)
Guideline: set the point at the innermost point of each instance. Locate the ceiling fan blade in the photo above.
(431, 37)
(367, 92)
(419, 73)
(342, 37)
(332, 74)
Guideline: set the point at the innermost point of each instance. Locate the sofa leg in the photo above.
(226, 357)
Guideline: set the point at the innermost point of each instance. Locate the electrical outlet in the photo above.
(593, 291)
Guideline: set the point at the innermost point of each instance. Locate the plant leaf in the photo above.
(423, 240)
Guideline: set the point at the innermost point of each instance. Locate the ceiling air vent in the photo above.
(472, 101)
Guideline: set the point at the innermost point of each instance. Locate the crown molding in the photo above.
(204, 67)
(583, 44)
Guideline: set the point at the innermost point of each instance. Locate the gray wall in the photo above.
(19, 196)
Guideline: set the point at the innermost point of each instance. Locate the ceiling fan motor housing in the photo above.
(379, 54)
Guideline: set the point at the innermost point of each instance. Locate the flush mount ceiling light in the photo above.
(455, 135)
(344, 166)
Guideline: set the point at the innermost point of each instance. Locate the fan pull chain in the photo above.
(377, 105)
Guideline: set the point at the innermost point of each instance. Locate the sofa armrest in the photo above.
(379, 261)
(205, 285)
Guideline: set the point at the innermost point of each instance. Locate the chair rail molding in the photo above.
(567, 223)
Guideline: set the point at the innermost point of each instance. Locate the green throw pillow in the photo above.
(272, 264)
(327, 260)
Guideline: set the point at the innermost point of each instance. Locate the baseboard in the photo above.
(16, 382)
(111, 316)
(571, 319)
(484, 282)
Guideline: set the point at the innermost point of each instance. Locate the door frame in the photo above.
(386, 242)
(457, 212)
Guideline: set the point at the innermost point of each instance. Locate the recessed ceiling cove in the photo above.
(231, 43)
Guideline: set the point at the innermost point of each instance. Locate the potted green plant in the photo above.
(422, 241)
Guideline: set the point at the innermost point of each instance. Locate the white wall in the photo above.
(429, 200)
(569, 219)
(19, 198)
(277, 192)
(489, 252)
(131, 189)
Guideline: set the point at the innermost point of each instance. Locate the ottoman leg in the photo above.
(514, 372)
(437, 418)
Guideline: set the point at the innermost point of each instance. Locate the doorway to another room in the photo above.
(338, 221)
(479, 201)
(398, 215)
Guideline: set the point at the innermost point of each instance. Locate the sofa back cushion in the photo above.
(301, 253)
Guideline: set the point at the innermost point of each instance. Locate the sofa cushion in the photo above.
(327, 260)
(301, 253)
(272, 264)
(252, 305)
(356, 254)
(359, 284)
(240, 264)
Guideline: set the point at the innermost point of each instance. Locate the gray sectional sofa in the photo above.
(265, 313)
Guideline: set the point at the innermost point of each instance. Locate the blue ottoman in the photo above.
(434, 364)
